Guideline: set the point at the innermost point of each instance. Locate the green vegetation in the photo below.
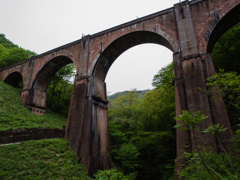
(140, 94)
(60, 89)
(14, 116)
(113, 174)
(229, 83)
(142, 139)
(42, 159)
(7, 43)
(225, 53)
(203, 165)
(10, 53)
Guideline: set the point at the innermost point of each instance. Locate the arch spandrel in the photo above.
(164, 25)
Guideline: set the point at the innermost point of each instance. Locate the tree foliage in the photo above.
(14, 56)
(225, 53)
(59, 90)
(140, 128)
(229, 83)
(11, 53)
(7, 43)
(164, 77)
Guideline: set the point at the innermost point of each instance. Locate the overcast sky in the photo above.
(42, 25)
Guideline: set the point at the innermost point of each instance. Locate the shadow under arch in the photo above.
(14, 79)
(123, 43)
(37, 98)
(44, 76)
(229, 20)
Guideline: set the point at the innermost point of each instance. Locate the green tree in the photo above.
(164, 77)
(127, 156)
(190, 121)
(59, 90)
(229, 83)
(145, 125)
(126, 105)
(225, 53)
(14, 55)
(2, 49)
(7, 43)
(159, 109)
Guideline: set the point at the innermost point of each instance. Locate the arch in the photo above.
(14, 79)
(44, 76)
(229, 20)
(125, 42)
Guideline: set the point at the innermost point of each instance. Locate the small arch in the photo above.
(14, 79)
(229, 20)
(125, 42)
(44, 76)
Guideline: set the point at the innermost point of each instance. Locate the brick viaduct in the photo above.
(188, 29)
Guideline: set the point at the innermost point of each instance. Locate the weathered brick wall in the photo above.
(162, 23)
(19, 135)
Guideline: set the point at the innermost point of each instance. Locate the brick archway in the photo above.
(120, 45)
(37, 97)
(189, 29)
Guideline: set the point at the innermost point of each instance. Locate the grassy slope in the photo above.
(43, 159)
(14, 116)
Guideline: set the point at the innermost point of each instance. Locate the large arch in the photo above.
(94, 145)
(123, 43)
(36, 101)
(227, 21)
(14, 79)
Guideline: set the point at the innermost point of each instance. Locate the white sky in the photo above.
(42, 25)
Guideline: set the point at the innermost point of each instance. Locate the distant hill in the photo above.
(140, 94)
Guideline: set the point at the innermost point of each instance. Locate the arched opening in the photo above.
(224, 45)
(60, 89)
(14, 79)
(54, 70)
(136, 147)
(111, 53)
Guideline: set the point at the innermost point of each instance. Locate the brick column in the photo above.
(27, 82)
(193, 97)
(95, 133)
(87, 126)
(183, 137)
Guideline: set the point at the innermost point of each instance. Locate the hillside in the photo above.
(14, 116)
(7, 43)
(11, 53)
(140, 94)
(42, 159)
